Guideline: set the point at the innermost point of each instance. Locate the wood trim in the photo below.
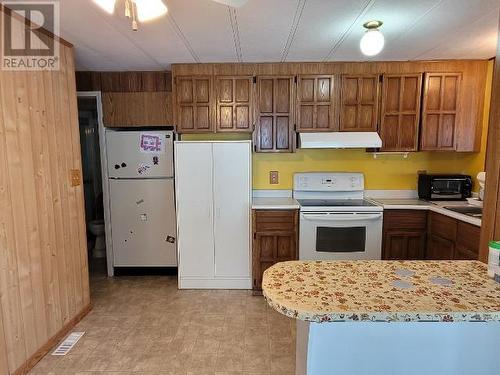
(490, 228)
(41, 30)
(53, 341)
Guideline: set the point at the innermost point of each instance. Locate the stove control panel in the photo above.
(335, 181)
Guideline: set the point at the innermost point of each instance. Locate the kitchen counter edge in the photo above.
(275, 203)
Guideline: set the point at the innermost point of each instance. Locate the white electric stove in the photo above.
(336, 222)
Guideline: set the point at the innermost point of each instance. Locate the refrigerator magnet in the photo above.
(151, 143)
(143, 168)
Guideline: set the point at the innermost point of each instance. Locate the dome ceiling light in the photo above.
(372, 43)
(136, 10)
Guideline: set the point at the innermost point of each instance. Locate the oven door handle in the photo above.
(342, 217)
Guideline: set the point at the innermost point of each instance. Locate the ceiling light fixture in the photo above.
(372, 43)
(136, 10)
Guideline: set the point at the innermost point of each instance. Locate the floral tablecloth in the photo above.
(387, 291)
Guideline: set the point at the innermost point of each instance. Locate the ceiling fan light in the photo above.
(148, 10)
(372, 43)
(107, 5)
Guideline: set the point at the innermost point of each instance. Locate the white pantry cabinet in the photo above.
(213, 196)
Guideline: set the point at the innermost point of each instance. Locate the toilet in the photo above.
(96, 227)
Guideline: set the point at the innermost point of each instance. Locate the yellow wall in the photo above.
(385, 172)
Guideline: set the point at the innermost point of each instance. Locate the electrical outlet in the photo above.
(274, 177)
(75, 177)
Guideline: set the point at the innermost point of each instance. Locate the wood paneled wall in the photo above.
(44, 282)
(131, 99)
(471, 99)
(149, 81)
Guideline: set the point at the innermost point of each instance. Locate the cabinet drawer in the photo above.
(275, 220)
(443, 226)
(405, 219)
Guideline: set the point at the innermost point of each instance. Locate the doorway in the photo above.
(90, 123)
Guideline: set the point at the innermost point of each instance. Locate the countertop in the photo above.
(289, 203)
(275, 203)
(438, 207)
(402, 291)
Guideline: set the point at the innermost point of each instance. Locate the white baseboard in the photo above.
(196, 283)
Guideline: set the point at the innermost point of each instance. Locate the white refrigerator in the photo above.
(141, 191)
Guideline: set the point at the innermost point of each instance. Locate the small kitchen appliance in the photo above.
(444, 187)
(336, 222)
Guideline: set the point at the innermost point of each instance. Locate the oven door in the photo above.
(340, 235)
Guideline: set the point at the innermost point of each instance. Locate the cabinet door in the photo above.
(275, 120)
(359, 103)
(443, 226)
(400, 112)
(136, 109)
(275, 240)
(440, 111)
(234, 103)
(467, 245)
(264, 256)
(194, 104)
(270, 248)
(439, 248)
(404, 245)
(194, 196)
(232, 190)
(316, 103)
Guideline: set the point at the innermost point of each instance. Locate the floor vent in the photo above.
(68, 343)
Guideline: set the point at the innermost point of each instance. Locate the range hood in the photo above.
(340, 140)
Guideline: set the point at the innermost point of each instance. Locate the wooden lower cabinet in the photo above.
(404, 244)
(404, 234)
(450, 238)
(275, 239)
(439, 248)
(467, 244)
(414, 235)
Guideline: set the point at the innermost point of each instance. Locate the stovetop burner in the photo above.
(335, 203)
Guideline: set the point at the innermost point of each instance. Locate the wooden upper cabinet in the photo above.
(194, 109)
(275, 121)
(316, 103)
(136, 109)
(234, 103)
(359, 98)
(400, 112)
(440, 111)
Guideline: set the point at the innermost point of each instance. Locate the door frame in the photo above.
(104, 173)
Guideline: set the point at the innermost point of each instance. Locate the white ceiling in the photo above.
(279, 30)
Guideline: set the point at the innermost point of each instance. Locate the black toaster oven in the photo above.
(445, 187)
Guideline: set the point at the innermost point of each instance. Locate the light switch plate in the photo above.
(274, 177)
(76, 179)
